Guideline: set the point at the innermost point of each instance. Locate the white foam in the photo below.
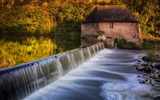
(125, 91)
(110, 95)
(115, 87)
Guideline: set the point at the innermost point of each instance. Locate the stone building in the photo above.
(115, 22)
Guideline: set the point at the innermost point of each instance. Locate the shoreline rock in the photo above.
(151, 73)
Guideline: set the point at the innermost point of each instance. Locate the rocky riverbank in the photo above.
(150, 67)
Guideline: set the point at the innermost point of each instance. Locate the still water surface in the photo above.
(15, 50)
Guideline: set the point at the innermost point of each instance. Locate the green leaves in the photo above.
(149, 12)
(124, 44)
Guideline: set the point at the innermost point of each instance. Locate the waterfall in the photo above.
(22, 80)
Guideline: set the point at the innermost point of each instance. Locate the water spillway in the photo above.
(20, 81)
(109, 75)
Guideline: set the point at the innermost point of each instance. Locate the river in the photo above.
(109, 75)
(15, 50)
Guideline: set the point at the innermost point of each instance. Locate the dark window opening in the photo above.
(111, 25)
(134, 36)
(92, 26)
(116, 40)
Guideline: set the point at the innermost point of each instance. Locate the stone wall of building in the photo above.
(89, 28)
(126, 30)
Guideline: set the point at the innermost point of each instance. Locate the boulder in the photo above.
(148, 81)
(156, 98)
(153, 65)
(139, 60)
(156, 88)
(145, 58)
(157, 60)
(153, 75)
(146, 69)
(157, 65)
(139, 67)
(157, 80)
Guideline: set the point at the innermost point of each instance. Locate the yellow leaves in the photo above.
(150, 37)
(45, 13)
(107, 0)
(35, 18)
(136, 15)
(6, 60)
(45, 4)
(30, 49)
(27, 18)
(9, 6)
(28, 6)
(100, 0)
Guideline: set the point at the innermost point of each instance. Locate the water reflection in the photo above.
(15, 50)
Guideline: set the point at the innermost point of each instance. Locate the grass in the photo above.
(152, 55)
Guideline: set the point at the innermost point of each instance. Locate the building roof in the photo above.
(110, 14)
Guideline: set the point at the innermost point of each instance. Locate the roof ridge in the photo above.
(110, 13)
(112, 6)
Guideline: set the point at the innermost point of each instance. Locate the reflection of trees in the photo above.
(66, 36)
(17, 50)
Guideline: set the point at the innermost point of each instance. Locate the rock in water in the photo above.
(144, 68)
(157, 98)
(157, 65)
(139, 67)
(157, 88)
(145, 58)
(148, 81)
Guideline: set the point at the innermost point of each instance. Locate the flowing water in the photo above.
(20, 81)
(109, 75)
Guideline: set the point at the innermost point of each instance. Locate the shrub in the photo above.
(124, 44)
(152, 55)
(91, 39)
(148, 44)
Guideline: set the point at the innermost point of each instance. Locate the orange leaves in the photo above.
(107, 0)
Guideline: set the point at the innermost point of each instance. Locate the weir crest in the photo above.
(22, 80)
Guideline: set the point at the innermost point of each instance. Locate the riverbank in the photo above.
(149, 65)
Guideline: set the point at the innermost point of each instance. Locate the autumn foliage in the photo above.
(46, 16)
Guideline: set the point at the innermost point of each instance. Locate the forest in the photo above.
(24, 23)
(62, 18)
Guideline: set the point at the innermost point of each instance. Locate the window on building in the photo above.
(134, 36)
(92, 25)
(111, 25)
